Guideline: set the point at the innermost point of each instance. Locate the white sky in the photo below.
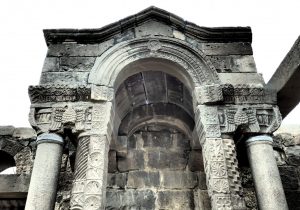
(275, 26)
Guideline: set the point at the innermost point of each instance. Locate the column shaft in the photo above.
(265, 172)
(44, 178)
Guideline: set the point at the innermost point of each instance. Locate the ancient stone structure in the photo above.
(150, 112)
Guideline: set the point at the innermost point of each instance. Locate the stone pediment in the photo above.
(151, 21)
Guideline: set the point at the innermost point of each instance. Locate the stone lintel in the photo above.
(285, 81)
(14, 186)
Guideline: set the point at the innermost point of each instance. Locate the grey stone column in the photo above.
(44, 178)
(89, 185)
(267, 182)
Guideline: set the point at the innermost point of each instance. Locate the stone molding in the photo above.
(196, 70)
(49, 138)
(234, 94)
(205, 34)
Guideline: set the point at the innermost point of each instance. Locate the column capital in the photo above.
(263, 139)
(49, 138)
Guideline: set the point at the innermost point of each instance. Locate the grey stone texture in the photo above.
(159, 99)
(267, 182)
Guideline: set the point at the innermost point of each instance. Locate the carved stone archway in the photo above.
(81, 103)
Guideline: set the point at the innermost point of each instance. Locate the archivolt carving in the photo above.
(195, 68)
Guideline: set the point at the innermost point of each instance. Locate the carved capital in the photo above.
(251, 118)
(79, 117)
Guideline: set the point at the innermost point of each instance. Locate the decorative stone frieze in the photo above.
(58, 93)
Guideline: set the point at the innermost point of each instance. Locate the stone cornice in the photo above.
(205, 34)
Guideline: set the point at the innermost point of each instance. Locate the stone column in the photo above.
(44, 178)
(267, 182)
(89, 185)
(220, 161)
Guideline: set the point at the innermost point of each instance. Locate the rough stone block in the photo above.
(130, 199)
(293, 155)
(157, 139)
(181, 142)
(201, 199)
(133, 160)
(24, 133)
(70, 78)
(7, 130)
(76, 63)
(14, 186)
(71, 49)
(179, 200)
(195, 162)
(289, 177)
(202, 180)
(167, 160)
(116, 180)
(153, 28)
(140, 179)
(51, 64)
(112, 161)
(233, 63)
(241, 78)
(178, 179)
(226, 48)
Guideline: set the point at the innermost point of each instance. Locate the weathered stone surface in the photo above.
(241, 78)
(178, 179)
(289, 177)
(72, 78)
(225, 48)
(24, 133)
(70, 49)
(293, 155)
(195, 162)
(116, 180)
(234, 63)
(130, 199)
(157, 139)
(141, 179)
(51, 64)
(24, 161)
(202, 180)
(7, 130)
(76, 63)
(14, 186)
(167, 160)
(201, 199)
(286, 139)
(153, 28)
(112, 159)
(250, 198)
(179, 200)
(133, 160)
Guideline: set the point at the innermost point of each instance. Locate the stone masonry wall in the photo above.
(158, 170)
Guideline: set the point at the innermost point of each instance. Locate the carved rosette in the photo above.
(221, 168)
(96, 173)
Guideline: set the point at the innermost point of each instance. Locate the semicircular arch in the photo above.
(186, 62)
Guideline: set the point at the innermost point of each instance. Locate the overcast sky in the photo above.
(275, 26)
